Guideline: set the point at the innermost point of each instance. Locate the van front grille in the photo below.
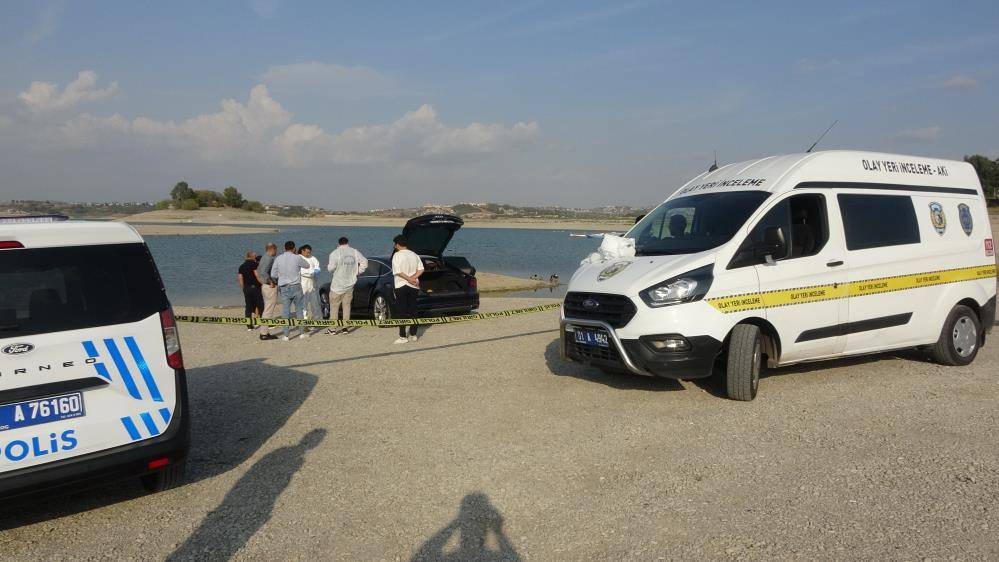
(616, 310)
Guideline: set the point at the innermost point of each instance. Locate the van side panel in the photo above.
(941, 270)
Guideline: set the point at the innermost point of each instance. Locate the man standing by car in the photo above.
(249, 282)
(268, 287)
(310, 292)
(288, 270)
(406, 270)
(345, 264)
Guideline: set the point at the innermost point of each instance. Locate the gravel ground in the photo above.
(477, 442)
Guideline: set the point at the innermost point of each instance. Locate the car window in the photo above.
(56, 289)
(876, 221)
(802, 219)
(374, 269)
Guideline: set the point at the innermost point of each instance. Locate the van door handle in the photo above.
(835, 263)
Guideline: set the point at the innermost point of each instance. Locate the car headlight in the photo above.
(689, 287)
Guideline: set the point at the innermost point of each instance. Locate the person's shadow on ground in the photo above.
(248, 505)
(479, 532)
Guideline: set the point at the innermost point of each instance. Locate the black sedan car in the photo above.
(447, 286)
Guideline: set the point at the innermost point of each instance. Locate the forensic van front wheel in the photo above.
(744, 363)
(960, 338)
(170, 477)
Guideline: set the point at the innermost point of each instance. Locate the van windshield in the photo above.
(55, 289)
(688, 225)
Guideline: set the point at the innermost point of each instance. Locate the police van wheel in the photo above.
(744, 362)
(170, 477)
(960, 338)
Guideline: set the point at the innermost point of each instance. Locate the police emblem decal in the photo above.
(612, 270)
(938, 218)
(964, 214)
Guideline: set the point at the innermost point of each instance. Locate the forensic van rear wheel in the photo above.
(960, 338)
(744, 362)
(170, 477)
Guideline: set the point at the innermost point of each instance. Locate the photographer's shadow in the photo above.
(476, 533)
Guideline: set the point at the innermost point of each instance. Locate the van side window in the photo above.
(802, 219)
(876, 221)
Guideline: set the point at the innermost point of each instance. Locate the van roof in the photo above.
(778, 174)
(68, 233)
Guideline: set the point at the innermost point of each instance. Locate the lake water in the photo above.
(201, 270)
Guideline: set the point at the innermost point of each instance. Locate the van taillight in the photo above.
(473, 284)
(171, 339)
(10, 245)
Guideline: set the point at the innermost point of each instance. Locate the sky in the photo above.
(360, 105)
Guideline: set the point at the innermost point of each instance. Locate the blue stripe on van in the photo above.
(165, 414)
(119, 362)
(147, 376)
(91, 349)
(150, 424)
(102, 370)
(133, 431)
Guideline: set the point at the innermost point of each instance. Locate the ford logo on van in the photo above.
(17, 348)
(590, 304)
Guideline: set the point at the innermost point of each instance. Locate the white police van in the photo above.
(790, 259)
(92, 383)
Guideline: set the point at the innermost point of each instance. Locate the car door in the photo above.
(804, 288)
(364, 288)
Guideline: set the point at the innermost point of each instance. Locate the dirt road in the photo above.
(478, 442)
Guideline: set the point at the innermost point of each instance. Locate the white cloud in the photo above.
(961, 82)
(45, 96)
(263, 130)
(925, 134)
(332, 80)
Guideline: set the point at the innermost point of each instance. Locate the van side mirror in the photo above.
(773, 245)
(639, 218)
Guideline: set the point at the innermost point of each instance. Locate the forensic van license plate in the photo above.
(591, 338)
(42, 410)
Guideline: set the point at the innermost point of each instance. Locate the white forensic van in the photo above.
(92, 383)
(789, 259)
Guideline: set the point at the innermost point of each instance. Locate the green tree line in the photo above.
(988, 173)
(183, 197)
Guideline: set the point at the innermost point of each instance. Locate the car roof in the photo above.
(778, 174)
(68, 233)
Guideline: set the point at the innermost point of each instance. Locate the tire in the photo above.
(744, 362)
(380, 309)
(960, 338)
(324, 304)
(170, 477)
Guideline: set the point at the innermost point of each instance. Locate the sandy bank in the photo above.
(191, 230)
(237, 217)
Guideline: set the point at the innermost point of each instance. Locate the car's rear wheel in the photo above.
(959, 339)
(744, 362)
(324, 304)
(380, 309)
(170, 477)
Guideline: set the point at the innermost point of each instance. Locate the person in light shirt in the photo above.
(287, 270)
(345, 264)
(310, 281)
(406, 270)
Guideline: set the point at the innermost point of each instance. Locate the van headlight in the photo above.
(689, 287)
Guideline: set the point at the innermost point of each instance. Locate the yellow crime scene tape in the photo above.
(815, 293)
(292, 322)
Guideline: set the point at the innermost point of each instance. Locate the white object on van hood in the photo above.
(612, 247)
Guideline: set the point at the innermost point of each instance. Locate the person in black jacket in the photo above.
(250, 282)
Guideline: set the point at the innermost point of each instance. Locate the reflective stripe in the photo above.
(147, 376)
(119, 362)
(133, 431)
(150, 424)
(165, 414)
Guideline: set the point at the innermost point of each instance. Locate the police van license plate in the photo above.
(592, 338)
(42, 410)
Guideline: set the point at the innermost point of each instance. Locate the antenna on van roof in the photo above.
(715, 165)
(820, 136)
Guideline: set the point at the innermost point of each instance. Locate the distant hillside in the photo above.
(492, 211)
(76, 210)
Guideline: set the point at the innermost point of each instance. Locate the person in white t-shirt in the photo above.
(406, 270)
(310, 288)
(345, 264)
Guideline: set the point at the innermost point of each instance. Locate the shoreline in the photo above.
(209, 219)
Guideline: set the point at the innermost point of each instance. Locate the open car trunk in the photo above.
(439, 277)
(428, 236)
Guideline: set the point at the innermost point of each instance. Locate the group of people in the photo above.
(292, 279)
(552, 279)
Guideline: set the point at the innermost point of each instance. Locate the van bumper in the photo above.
(638, 357)
(127, 461)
